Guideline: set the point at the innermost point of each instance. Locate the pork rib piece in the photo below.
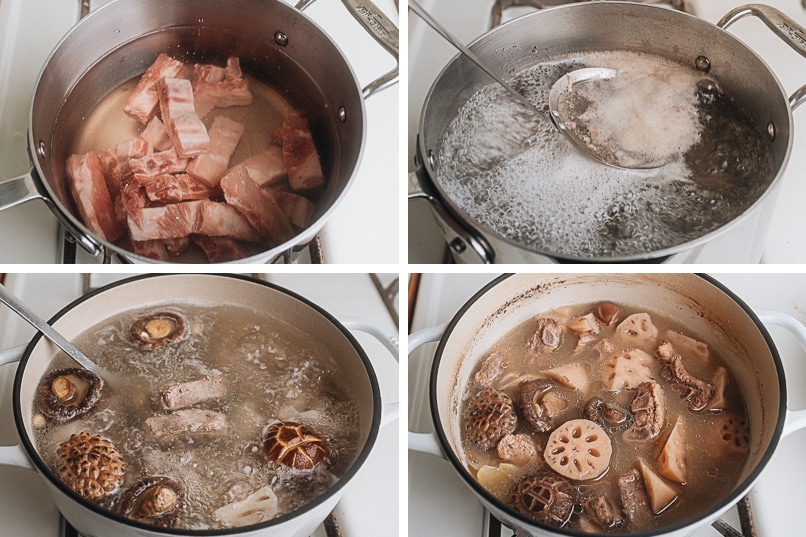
(167, 188)
(190, 422)
(91, 196)
(298, 209)
(182, 219)
(265, 168)
(216, 87)
(158, 163)
(187, 394)
(224, 137)
(299, 154)
(187, 132)
(142, 103)
(258, 206)
(156, 133)
(220, 249)
(151, 249)
(116, 163)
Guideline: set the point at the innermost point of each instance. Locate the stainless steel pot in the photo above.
(699, 303)
(153, 290)
(121, 39)
(603, 26)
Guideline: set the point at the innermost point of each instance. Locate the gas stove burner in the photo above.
(502, 5)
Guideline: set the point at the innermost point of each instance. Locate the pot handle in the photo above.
(379, 27)
(13, 455)
(783, 26)
(391, 411)
(425, 442)
(795, 419)
(464, 243)
(16, 190)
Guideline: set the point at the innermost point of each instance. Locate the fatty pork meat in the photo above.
(210, 167)
(91, 196)
(258, 206)
(187, 132)
(217, 87)
(142, 103)
(299, 154)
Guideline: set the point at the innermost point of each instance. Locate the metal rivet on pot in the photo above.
(458, 245)
(281, 39)
(771, 131)
(431, 158)
(702, 64)
(342, 114)
(40, 149)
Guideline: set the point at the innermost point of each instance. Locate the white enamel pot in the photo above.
(699, 303)
(153, 290)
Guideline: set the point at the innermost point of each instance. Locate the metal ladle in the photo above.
(561, 87)
(10, 300)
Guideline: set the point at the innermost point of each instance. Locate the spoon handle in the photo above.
(441, 30)
(7, 298)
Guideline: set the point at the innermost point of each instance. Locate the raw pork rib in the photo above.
(258, 205)
(215, 87)
(91, 196)
(299, 154)
(224, 137)
(179, 220)
(166, 187)
(142, 103)
(186, 130)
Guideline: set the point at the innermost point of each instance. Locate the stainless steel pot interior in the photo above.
(153, 290)
(702, 305)
(575, 29)
(120, 40)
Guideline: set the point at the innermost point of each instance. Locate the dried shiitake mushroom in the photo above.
(153, 500)
(579, 450)
(544, 496)
(157, 330)
(489, 416)
(89, 465)
(67, 393)
(295, 445)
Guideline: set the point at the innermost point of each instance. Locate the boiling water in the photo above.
(515, 174)
(711, 475)
(272, 371)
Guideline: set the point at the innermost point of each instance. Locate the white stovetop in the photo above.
(468, 19)
(25, 507)
(441, 504)
(368, 215)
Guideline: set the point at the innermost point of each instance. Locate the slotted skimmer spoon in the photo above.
(10, 300)
(561, 88)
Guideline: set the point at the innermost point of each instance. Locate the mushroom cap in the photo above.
(489, 416)
(67, 393)
(544, 496)
(156, 330)
(537, 415)
(89, 465)
(154, 500)
(295, 445)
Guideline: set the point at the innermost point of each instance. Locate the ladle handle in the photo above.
(10, 300)
(795, 419)
(13, 455)
(782, 25)
(391, 411)
(381, 29)
(425, 442)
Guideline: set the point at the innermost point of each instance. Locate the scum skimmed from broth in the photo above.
(604, 418)
(252, 372)
(518, 176)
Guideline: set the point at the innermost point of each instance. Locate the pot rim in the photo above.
(334, 489)
(472, 223)
(301, 238)
(730, 499)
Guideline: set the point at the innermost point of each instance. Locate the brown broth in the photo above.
(711, 476)
(272, 371)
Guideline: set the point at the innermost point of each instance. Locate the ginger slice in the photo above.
(673, 459)
(661, 494)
